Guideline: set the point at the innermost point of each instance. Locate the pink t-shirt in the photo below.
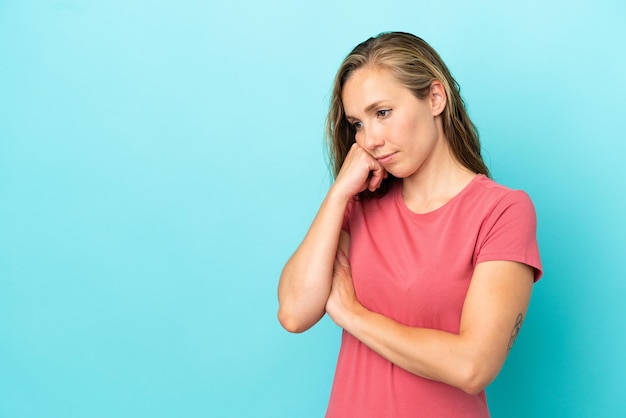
(416, 269)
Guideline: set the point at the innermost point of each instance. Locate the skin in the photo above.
(400, 134)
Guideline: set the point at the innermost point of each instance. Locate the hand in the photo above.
(359, 171)
(342, 302)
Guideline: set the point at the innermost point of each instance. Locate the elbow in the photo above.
(476, 377)
(473, 388)
(290, 322)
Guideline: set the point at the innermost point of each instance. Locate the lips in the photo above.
(385, 158)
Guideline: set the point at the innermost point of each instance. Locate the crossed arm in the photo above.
(492, 314)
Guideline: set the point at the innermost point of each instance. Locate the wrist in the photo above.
(336, 193)
(354, 317)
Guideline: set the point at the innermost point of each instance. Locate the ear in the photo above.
(437, 97)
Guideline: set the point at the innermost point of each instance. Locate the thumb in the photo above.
(342, 258)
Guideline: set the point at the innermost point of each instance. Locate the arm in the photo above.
(306, 279)
(496, 302)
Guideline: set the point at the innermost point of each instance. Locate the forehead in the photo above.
(370, 85)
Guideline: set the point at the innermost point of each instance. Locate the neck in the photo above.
(438, 182)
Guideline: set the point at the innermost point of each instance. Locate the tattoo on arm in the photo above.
(518, 325)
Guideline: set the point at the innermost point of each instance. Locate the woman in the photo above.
(424, 261)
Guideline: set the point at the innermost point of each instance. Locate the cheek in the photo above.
(417, 132)
(359, 138)
(406, 132)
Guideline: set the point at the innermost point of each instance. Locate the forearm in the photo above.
(491, 317)
(433, 354)
(306, 279)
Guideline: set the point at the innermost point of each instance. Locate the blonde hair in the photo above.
(416, 65)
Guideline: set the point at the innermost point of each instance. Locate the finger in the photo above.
(342, 258)
(378, 174)
(336, 266)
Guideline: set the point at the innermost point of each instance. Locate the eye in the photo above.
(357, 125)
(383, 113)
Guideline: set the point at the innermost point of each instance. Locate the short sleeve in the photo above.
(510, 233)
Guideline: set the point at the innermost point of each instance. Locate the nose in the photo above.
(372, 138)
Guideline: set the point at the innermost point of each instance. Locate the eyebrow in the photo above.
(368, 109)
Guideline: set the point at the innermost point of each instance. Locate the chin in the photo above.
(399, 173)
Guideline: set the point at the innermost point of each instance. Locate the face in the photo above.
(402, 132)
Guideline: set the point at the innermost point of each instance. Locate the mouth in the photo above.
(385, 158)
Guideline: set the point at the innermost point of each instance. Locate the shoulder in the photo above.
(487, 192)
(508, 229)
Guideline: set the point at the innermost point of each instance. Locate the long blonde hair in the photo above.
(416, 65)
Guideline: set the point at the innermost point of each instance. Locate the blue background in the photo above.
(160, 161)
